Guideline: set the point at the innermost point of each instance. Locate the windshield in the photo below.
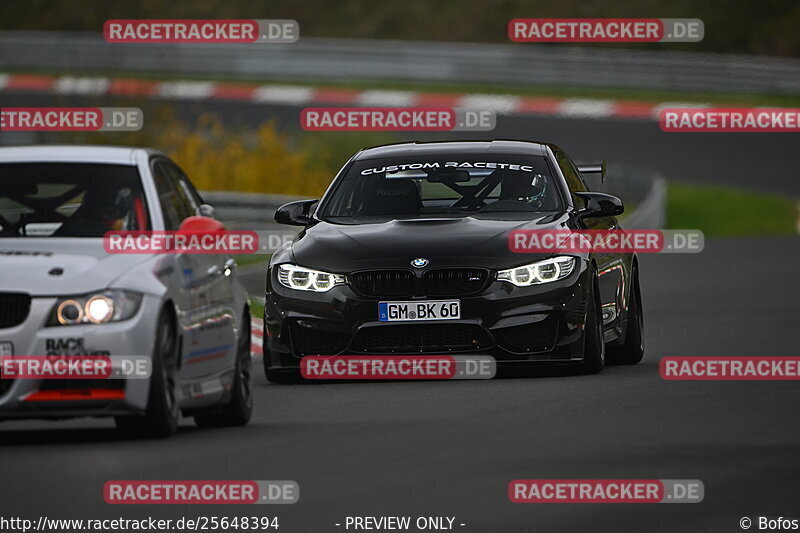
(485, 186)
(69, 200)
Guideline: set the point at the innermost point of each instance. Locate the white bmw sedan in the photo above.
(63, 295)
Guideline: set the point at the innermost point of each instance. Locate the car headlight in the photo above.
(96, 308)
(540, 272)
(306, 279)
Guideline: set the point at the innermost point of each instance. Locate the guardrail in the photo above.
(644, 191)
(361, 59)
(247, 211)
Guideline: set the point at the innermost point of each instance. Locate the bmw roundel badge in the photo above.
(419, 262)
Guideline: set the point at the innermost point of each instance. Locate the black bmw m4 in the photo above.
(407, 253)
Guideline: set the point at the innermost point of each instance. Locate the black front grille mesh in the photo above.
(408, 339)
(384, 283)
(527, 338)
(5, 384)
(81, 384)
(404, 284)
(454, 281)
(309, 340)
(14, 308)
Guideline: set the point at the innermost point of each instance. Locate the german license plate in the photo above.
(419, 310)
(6, 348)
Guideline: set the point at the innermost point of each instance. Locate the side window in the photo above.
(185, 188)
(167, 196)
(574, 180)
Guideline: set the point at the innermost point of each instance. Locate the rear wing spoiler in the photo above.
(594, 168)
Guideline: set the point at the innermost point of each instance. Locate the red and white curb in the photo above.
(257, 337)
(502, 104)
(798, 217)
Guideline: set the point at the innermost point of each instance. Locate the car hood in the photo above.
(444, 242)
(27, 265)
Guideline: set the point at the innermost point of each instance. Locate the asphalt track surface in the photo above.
(451, 448)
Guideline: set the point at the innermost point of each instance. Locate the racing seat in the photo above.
(101, 210)
(392, 197)
(519, 185)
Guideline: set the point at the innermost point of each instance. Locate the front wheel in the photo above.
(161, 417)
(594, 347)
(240, 407)
(631, 350)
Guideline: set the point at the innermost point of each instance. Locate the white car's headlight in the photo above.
(306, 279)
(97, 308)
(540, 272)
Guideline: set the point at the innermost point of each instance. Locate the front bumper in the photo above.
(541, 323)
(57, 398)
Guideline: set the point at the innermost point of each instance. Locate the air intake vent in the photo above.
(454, 281)
(14, 308)
(384, 283)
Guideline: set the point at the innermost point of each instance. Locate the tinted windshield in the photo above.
(485, 186)
(69, 200)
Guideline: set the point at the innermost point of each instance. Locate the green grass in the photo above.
(621, 93)
(243, 260)
(256, 309)
(728, 211)
(645, 95)
(251, 259)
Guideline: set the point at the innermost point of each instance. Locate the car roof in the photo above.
(507, 147)
(115, 155)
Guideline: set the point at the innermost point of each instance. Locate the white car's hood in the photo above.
(32, 265)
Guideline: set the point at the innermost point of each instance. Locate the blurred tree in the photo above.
(766, 27)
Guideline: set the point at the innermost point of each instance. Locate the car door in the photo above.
(219, 315)
(610, 266)
(194, 294)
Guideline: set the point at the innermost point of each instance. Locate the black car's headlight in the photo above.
(97, 308)
(540, 272)
(306, 279)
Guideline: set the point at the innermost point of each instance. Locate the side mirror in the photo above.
(295, 213)
(594, 168)
(199, 224)
(599, 204)
(205, 210)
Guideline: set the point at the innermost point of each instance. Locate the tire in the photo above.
(594, 347)
(239, 409)
(161, 417)
(631, 351)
